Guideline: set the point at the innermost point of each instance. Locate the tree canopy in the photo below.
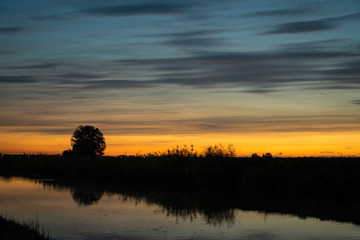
(88, 141)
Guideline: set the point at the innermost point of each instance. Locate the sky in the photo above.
(277, 76)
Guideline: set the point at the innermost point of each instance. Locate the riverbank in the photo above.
(9, 230)
(327, 188)
(335, 178)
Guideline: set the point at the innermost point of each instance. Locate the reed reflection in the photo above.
(185, 206)
(216, 208)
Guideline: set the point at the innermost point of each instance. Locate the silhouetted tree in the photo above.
(88, 141)
(255, 155)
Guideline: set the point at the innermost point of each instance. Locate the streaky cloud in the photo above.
(303, 27)
(332, 87)
(323, 24)
(195, 33)
(6, 52)
(280, 12)
(137, 9)
(111, 84)
(80, 75)
(260, 91)
(259, 70)
(17, 79)
(356, 102)
(54, 17)
(215, 124)
(194, 42)
(348, 17)
(197, 38)
(353, 71)
(334, 45)
(36, 66)
(12, 30)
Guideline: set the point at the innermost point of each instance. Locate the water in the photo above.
(73, 214)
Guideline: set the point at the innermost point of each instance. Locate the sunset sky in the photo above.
(277, 76)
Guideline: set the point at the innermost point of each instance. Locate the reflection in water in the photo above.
(84, 197)
(215, 208)
(180, 205)
(113, 212)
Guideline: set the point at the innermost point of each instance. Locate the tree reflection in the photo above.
(187, 206)
(216, 208)
(85, 198)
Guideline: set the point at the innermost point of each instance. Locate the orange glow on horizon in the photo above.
(279, 144)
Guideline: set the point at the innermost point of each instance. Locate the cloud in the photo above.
(11, 30)
(259, 70)
(6, 52)
(331, 87)
(193, 39)
(35, 66)
(17, 79)
(196, 38)
(334, 65)
(80, 76)
(194, 42)
(303, 27)
(111, 84)
(248, 57)
(280, 12)
(313, 26)
(335, 45)
(260, 91)
(137, 9)
(41, 122)
(356, 102)
(349, 17)
(191, 34)
(54, 17)
(343, 72)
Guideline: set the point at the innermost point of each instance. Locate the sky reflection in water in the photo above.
(122, 217)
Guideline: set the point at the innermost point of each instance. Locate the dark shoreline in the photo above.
(325, 188)
(10, 229)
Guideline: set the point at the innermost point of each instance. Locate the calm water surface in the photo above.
(116, 216)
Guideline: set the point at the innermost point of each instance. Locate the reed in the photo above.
(11, 229)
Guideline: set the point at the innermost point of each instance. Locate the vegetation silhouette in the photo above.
(86, 141)
(216, 151)
(10, 229)
(327, 188)
(267, 155)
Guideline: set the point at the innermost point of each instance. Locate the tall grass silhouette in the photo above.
(11, 229)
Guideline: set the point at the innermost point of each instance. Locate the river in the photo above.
(72, 214)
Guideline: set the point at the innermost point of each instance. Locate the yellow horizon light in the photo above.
(279, 144)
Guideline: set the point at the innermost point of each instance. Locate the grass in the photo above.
(10, 229)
